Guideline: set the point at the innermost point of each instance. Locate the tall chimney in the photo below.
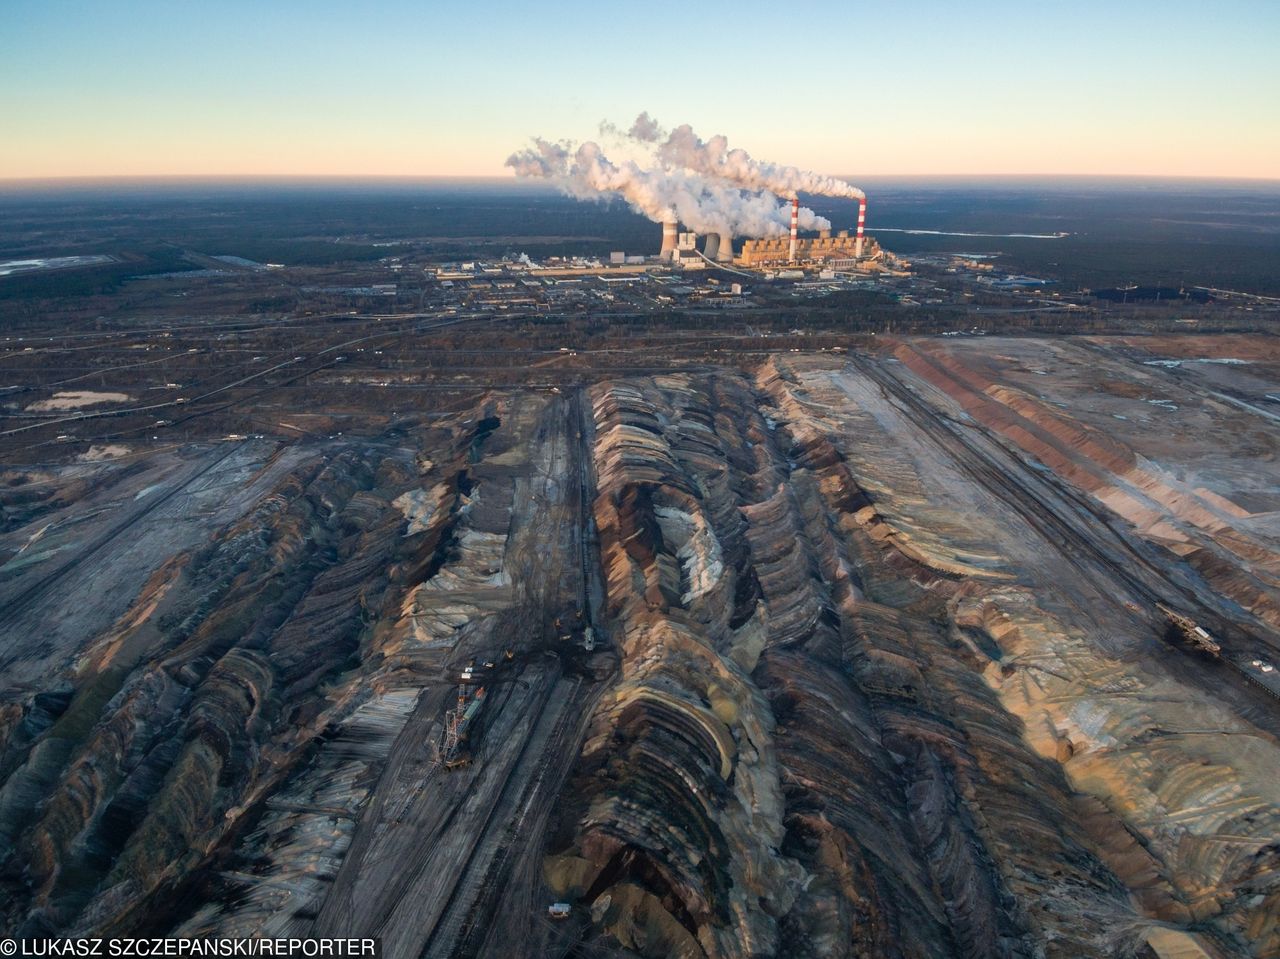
(725, 255)
(711, 248)
(669, 228)
(795, 225)
(862, 221)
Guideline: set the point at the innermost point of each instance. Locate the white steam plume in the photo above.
(645, 129)
(684, 149)
(702, 204)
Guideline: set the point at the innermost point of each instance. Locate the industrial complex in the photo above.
(843, 251)
(722, 194)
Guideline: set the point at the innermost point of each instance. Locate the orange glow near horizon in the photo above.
(153, 156)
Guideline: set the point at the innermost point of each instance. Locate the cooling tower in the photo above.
(669, 229)
(725, 254)
(711, 248)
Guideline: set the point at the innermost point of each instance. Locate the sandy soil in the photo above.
(76, 399)
(96, 454)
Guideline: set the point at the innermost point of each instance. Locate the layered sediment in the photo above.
(838, 656)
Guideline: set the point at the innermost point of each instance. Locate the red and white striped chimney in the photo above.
(795, 225)
(862, 222)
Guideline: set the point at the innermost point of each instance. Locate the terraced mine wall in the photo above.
(836, 656)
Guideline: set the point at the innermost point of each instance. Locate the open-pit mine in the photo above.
(913, 647)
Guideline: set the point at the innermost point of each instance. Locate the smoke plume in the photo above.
(705, 204)
(684, 149)
(645, 129)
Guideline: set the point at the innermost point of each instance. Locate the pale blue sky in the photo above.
(404, 88)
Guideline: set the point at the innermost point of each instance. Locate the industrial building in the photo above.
(681, 248)
(839, 250)
(842, 251)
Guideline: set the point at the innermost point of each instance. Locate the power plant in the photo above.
(711, 190)
(839, 252)
(843, 250)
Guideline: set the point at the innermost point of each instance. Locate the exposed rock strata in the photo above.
(863, 705)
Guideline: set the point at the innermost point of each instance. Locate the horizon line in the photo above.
(136, 177)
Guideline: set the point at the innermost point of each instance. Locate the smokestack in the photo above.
(711, 248)
(862, 220)
(726, 248)
(669, 228)
(795, 225)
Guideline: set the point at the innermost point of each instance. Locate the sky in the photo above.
(283, 87)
